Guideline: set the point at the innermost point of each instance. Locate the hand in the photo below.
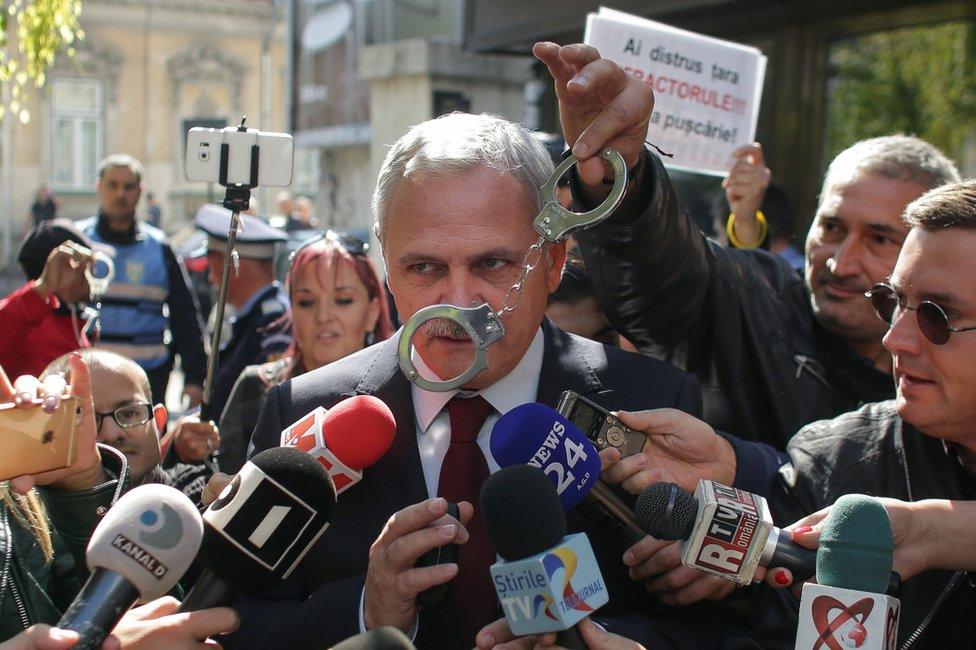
(658, 564)
(499, 636)
(194, 394)
(600, 106)
(62, 268)
(157, 626)
(392, 582)
(745, 187)
(194, 440)
(86, 471)
(45, 637)
(680, 448)
(214, 487)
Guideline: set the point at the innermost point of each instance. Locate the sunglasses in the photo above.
(350, 244)
(932, 319)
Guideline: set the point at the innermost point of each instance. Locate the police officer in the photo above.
(259, 331)
(148, 275)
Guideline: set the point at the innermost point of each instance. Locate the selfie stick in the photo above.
(236, 199)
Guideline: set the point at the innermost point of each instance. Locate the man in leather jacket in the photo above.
(773, 350)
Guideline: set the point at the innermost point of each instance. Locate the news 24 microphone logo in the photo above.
(552, 590)
(832, 618)
(737, 525)
(265, 520)
(308, 435)
(567, 464)
(157, 527)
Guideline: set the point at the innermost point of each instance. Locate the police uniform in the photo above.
(259, 330)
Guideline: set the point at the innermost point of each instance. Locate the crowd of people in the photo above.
(800, 377)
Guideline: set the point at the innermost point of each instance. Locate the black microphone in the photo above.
(547, 581)
(260, 528)
(724, 531)
(382, 638)
(537, 435)
(140, 549)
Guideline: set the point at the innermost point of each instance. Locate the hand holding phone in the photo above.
(53, 446)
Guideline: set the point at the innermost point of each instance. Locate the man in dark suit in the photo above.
(454, 205)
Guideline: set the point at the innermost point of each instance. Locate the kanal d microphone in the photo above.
(534, 434)
(847, 607)
(261, 526)
(140, 549)
(352, 435)
(724, 531)
(546, 581)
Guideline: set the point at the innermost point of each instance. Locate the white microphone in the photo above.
(141, 549)
(848, 608)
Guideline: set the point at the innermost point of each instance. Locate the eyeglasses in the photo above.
(350, 244)
(932, 319)
(128, 416)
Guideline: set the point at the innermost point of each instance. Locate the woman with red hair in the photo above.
(337, 307)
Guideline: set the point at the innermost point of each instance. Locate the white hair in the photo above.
(898, 157)
(459, 142)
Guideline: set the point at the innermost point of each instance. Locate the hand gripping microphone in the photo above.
(382, 638)
(847, 607)
(140, 549)
(534, 434)
(723, 531)
(352, 435)
(261, 526)
(546, 581)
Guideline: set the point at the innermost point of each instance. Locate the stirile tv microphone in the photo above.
(546, 581)
(723, 531)
(261, 526)
(534, 434)
(140, 549)
(352, 435)
(847, 607)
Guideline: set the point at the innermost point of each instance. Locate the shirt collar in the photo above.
(505, 394)
(255, 298)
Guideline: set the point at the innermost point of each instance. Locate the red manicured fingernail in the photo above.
(781, 578)
(802, 530)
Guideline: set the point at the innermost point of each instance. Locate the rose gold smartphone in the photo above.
(33, 441)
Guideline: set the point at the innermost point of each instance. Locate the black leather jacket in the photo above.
(739, 319)
(872, 451)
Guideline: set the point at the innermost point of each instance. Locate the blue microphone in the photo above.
(536, 435)
(547, 581)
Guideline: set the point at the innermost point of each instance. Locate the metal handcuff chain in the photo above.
(483, 324)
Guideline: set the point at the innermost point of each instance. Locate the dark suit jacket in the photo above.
(333, 573)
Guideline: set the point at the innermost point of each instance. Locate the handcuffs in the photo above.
(483, 324)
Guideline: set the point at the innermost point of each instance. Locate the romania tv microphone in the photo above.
(140, 549)
(261, 526)
(847, 607)
(546, 581)
(534, 434)
(345, 439)
(723, 531)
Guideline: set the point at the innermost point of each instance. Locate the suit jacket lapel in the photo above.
(567, 365)
(396, 479)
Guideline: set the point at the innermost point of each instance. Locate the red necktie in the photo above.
(462, 474)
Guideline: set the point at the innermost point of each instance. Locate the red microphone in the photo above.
(352, 435)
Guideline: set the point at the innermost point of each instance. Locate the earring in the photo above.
(369, 339)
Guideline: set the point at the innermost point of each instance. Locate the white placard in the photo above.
(706, 90)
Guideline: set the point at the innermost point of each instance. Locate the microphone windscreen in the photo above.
(666, 511)
(856, 545)
(537, 435)
(150, 536)
(359, 430)
(270, 514)
(522, 512)
(382, 638)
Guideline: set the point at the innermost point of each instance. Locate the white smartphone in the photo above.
(204, 153)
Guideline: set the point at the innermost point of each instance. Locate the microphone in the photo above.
(848, 608)
(352, 435)
(261, 526)
(723, 531)
(546, 581)
(382, 638)
(140, 549)
(534, 434)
